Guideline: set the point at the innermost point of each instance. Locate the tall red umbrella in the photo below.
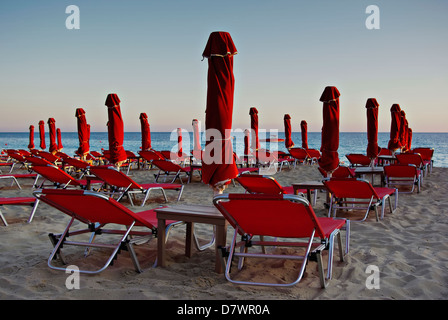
(42, 134)
(197, 149)
(146, 132)
(304, 130)
(255, 142)
(83, 133)
(403, 131)
(218, 171)
(329, 161)
(409, 138)
(53, 148)
(372, 129)
(31, 144)
(394, 141)
(179, 142)
(115, 130)
(58, 133)
(288, 139)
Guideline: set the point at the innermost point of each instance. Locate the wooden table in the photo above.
(360, 171)
(386, 159)
(191, 214)
(309, 186)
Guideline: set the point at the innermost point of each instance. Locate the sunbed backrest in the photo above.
(260, 184)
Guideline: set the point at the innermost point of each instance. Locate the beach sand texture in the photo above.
(409, 247)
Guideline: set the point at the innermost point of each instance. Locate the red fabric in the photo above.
(58, 133)
(115, 129)
(42, 134)
(53, 148)
(409, 138)
(196, 135)
(403, 131)
(372, 128)
(31, 144)
(288, 140)
(329, 160)
(83, 132)
(304, 129)
(246, 142)
(394, 141)
(218, 114)
(179, 142)
(146, 132)
(255, 142)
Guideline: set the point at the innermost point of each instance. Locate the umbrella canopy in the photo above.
(394, 141)
(288, 140)
(179, 142)
(304, 130)
(58, 133)
(409, 138)
(83, 132)
(146, 132)
(42, 134)
(31, 144)
(246, 142)
(372, 128)
(115, 130)
(53, 148)
(218, 171)
(255, 142)
(329, 161)
(403, 131)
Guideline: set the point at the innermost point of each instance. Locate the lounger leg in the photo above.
(3, 219)
(33, 211)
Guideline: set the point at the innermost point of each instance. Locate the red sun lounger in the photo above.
(167, 168)
(97, 211)
(59, 178)
(19, 201)
(402, 175)
(287, 218)
(358, 194)
(123, 185)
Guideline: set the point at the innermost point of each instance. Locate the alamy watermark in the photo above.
(373, 280)
(73, 21)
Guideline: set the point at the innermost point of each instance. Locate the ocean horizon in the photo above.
(349, 142)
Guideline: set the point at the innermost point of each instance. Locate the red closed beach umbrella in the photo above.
(255, 142)
(53, 148)
(42, 134)
(304, 130)
(146, 132)
(115, 130)
(179, 142)
(218, 171)
(83, 133)
(403, 131)
(58, 134)
(31, 143)
(246, 142)
(372, 129)
(329, 160)
(197, 149)
(394, 140)
(288, 139)
(409, 138)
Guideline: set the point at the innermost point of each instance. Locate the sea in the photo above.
(349, 142)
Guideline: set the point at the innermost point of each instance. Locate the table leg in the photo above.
(161, 239)
(189, 239)
(221, 239)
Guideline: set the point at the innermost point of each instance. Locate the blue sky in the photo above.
(149, 53)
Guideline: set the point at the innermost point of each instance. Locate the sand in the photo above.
(408, 247)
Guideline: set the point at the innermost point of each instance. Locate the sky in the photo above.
(149, 52)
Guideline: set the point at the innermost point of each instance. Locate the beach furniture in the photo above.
(254, 183)
(19, 201)
(59, 178)
(121, 184)
(427, 156)
(168, 168)
(415, 159)
(97, 211)
(340, 172)
(314, 154)
(358, 159)
(300, 154)
(283, 217)
(399, 175)
(149, 155)
(357, 194)
(76, 164)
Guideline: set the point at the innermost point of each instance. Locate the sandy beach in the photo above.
(409, 248)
